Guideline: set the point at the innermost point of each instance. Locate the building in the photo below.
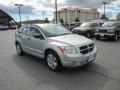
(7, 20)
(70, 14)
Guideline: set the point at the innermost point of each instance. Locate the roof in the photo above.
(4, 15)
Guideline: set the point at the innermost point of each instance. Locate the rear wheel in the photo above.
(53, 61)
(19, 49)
(88, 34)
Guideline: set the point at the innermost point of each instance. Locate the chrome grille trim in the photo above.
(86, 48)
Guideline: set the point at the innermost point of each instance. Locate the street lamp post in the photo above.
(56, 11)
(19, 5)
(104, 3)
(27, 19)
(43, 13)
(65, 15)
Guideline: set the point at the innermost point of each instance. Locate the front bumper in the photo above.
(104, 35)
(78, 59)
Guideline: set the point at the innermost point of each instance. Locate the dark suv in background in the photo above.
(87, 29)
(110, 29)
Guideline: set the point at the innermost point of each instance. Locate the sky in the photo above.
(36, 9)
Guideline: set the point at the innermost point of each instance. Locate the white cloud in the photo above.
(36, 6)
(117, 3)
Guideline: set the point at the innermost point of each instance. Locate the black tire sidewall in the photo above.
(59, 66)
(22, 53)
(98, 37)
(115, 37)
(88, 33)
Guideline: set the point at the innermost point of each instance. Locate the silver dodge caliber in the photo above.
(55, 44)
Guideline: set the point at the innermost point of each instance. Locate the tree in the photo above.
(77, 20)
(46, 20)
(104, 17)
(61, 20)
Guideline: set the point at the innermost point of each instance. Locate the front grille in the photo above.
(103, 31)
(83, 47)
(86, 48)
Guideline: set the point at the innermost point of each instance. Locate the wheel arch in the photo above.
(16, 42)
(49, 49)
(54, 50)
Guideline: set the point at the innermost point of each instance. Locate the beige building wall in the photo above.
(69, 14)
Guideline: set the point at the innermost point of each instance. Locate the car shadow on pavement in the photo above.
(92, 77)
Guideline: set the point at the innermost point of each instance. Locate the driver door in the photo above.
(36, 44)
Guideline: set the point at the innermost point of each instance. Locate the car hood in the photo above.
(82, 28)
(71, 39)
(104, 28)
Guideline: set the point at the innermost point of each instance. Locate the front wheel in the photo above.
(19, 49)
(115, 37)
(98, 37)
(53, 61)
(88, 34)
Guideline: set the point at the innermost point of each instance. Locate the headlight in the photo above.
(68, 50)
(97, 30)
(110, 31)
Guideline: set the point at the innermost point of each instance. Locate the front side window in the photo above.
(34, 31)
(25, 31)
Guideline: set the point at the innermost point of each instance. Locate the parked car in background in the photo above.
(70, 26)
(101, 22)
(3, 27)
(57, 45)
(110, 29)
(87, 29)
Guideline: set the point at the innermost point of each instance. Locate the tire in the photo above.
(115, 38)
(53, 61)
(98, 37)
(88, 34)
(19, 49)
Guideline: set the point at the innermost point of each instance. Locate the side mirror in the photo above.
(38, 36)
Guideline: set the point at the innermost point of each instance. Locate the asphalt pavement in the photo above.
(31, 73)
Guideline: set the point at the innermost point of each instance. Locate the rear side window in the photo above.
(25, 31)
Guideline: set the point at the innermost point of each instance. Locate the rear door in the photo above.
(24, 37)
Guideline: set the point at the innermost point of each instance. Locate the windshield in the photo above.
(86, 25)
(54, 30)
(110, 24)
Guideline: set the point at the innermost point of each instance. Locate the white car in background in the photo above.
(3, 27)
